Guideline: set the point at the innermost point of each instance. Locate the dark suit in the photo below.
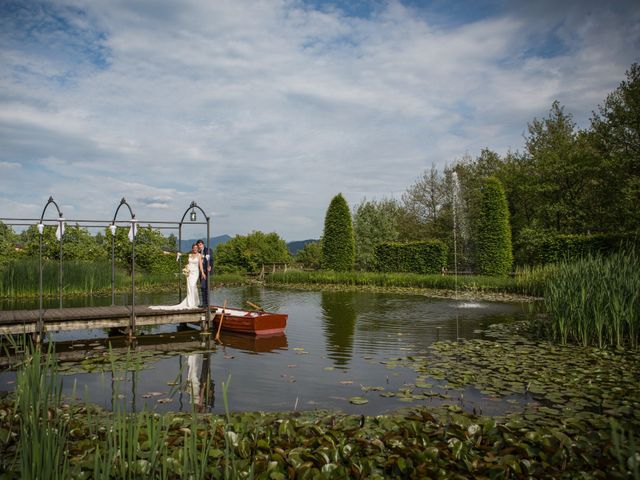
(204, 283)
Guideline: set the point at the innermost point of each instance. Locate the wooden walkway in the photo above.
(84, 318)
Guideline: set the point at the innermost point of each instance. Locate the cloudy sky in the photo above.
(263, 110)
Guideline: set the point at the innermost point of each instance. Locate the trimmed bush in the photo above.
(544, 248)
(493, 230)
(338, 242)
(415, 257)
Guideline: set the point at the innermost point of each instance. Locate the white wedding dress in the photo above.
(192, 300)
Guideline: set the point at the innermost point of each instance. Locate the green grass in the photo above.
(408, 280)
(595, 301)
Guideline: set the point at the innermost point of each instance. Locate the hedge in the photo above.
(415, 257)
(553, 248)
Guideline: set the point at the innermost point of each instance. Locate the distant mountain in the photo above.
(299, 245)
(185, 245)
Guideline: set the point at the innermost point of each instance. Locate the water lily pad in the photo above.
(358, 400)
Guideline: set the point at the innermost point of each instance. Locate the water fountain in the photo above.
(455, 201)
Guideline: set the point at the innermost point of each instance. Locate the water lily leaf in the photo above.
(358, 400)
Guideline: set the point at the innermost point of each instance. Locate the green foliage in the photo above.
(338, 244)
(426, 208)
(616, 137)
(374, 222)
(247, 253)
(7, 243)
(493, 230)
(148, 248)
(310, 256)
(540, 247)
(595, 301)
(416, 257)
(560, 166)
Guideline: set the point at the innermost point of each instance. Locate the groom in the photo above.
(207, 263)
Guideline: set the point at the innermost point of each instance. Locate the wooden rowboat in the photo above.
(249, 321)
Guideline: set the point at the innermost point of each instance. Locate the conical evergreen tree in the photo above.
(493, 230)
(338, 243)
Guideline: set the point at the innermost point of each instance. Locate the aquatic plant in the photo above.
(43, 428)
(595, 301)
(565, 433)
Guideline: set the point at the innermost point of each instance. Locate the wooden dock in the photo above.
(85, 318)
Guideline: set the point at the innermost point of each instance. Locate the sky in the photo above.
(262, 111)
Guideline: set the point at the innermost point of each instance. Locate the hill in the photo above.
(299, 245)
(185, 245)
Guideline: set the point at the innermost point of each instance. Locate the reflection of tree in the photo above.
(339, 315)
(199, 382)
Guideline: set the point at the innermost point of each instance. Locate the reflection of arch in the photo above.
(41, 231)
(193, 220)
(339, 315)
(132, 237)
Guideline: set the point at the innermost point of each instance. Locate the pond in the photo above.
(340, 349)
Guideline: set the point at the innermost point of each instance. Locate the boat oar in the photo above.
(221, 319)
(253, 305)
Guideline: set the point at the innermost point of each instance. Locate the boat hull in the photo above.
(250, 322)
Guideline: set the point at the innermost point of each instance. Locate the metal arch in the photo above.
(40, 314)
(49, 202)
(132, 324)
(123, 201)
(193, 206)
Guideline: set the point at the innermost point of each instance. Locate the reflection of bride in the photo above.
(193, 270)
(199, 383)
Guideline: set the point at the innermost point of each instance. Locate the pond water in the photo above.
(337, 345)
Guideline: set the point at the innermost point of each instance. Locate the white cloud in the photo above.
(263, 111)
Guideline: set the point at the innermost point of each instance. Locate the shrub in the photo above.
(539, 248)
(338, 244)
(493, 230)
(247, 253)
(416, 257)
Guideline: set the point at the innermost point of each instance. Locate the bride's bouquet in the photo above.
(185, 271)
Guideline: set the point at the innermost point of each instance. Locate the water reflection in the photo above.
(199, 384)
(339, 318)
(336, 344)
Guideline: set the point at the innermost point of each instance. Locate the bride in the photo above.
(193, 270)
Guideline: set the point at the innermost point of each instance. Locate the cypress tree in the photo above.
(338, 243)
(493, 230)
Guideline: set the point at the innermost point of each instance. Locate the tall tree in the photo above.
(338, 242)
(495, 255)
(422, 205)
(616, 135)
(374, 222)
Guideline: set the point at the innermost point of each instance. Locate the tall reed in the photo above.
(595, 300)
(21, 278)
(43, 427)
